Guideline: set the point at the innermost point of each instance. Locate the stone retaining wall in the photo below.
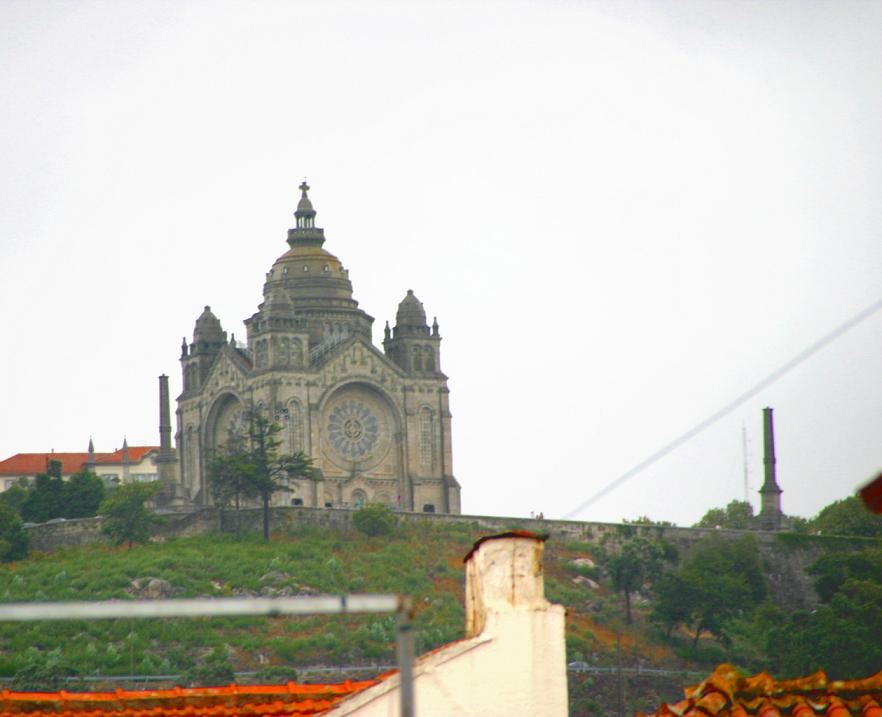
(785, 563)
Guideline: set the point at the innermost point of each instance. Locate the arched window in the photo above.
(284, 351)
(295, 426)
(427, 442)
(296, 353)
(190, 454)
(260, 354)
(429, 358)
(417, 359)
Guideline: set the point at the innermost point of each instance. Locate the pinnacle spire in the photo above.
(306, 233)
(305, 212)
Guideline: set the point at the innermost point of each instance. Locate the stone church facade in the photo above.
(376, 423)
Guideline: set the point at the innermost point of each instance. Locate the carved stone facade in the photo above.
(376, 424)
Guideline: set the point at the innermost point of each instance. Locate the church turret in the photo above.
(208, 339)
(274, 334)
(412, 345)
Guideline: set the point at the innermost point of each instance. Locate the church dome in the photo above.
(308, 288)
(410, 311)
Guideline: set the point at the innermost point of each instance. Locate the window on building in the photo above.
(295, 426)
(427, 443)
(296, 501)
(110, 479)
(428, 508)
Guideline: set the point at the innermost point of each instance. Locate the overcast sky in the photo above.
(623, 215)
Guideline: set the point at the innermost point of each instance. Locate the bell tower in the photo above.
(412, 344)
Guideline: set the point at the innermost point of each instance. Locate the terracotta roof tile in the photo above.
(233, 701)
(27, 464)
(726, 693)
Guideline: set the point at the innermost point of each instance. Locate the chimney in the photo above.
(522, 632)
(770, 493)
(164, 417)
(166, 461)
(504, 575)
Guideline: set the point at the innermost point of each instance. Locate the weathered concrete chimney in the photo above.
(770, 494)
(505, 602)
(504, 575)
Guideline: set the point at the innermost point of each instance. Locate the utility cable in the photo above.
(782, 370)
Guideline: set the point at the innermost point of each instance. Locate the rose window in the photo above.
(353, 429)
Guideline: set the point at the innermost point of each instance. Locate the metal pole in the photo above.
(405, 657)
(199, 607)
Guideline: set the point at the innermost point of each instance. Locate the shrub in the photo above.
(374, 519)
(272, 674)
(43, 673)
(215, 670)
(14, 539)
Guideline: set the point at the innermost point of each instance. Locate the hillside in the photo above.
(424, 561)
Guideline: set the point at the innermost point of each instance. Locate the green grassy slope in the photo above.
(424, 561)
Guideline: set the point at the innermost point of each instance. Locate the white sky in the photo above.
(623, 215)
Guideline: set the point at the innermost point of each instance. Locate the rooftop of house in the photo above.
(24, 464)
(728, 693)
(252, 700)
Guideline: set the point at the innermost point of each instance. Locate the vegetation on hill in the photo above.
(48, 496)
(737, 515)
(708, 607)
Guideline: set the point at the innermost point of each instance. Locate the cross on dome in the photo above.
(305, 213)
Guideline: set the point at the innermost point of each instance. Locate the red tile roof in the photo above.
(24, 464)
(232, 701)
(727, 693)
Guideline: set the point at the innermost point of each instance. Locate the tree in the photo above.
(637, 562)
(82, 495)
(128, 519)
(738, 515)
(847, 517)
(45, 498)
(228, 476)
(14, 539)
(842, 636)
(374, 519)
(15, 496)
(831, 571)
(254, 459)
(718, 581)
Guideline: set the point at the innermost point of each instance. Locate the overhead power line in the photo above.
(782, 370)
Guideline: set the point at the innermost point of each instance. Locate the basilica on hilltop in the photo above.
(376, 423)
